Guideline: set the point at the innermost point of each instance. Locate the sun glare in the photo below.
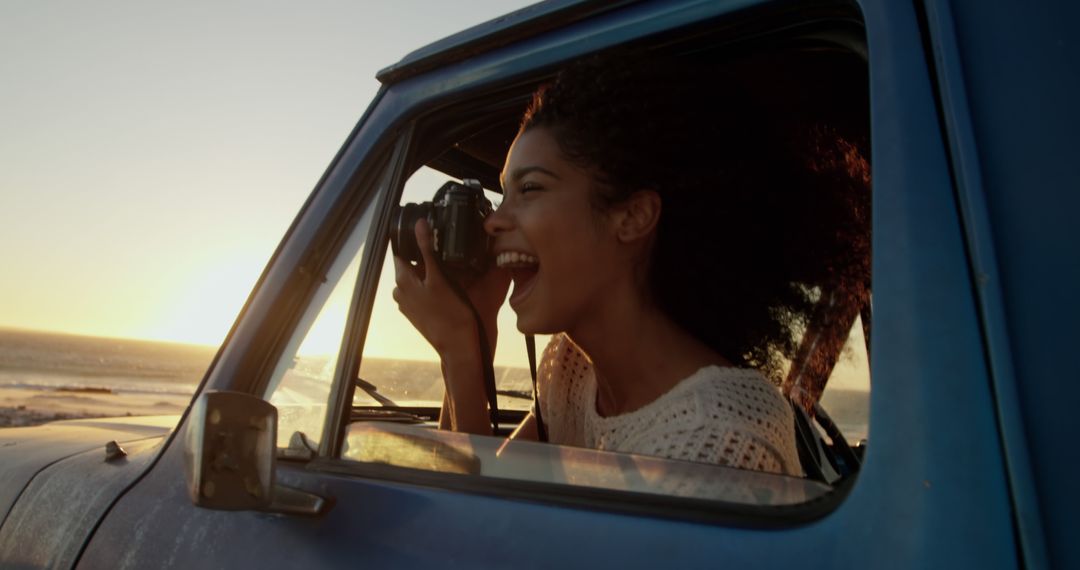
(202, 310)
(324, 336)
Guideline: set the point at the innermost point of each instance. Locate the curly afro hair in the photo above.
(763, 204)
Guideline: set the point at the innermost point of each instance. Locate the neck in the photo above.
(638, 356)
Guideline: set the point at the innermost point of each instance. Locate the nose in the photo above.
(500, 221)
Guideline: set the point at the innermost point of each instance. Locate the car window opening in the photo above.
(810, 102)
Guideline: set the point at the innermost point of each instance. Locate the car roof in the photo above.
(522, 23)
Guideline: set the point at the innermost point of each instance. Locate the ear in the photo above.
(636, 217)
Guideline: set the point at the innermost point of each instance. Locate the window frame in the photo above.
(362, 300)
(335, 274)
(409, 152)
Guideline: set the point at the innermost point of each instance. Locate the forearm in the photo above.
(465, 406)
(429, 301)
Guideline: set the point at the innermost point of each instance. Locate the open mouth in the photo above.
(523, 270)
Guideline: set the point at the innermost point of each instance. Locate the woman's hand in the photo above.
(425, 296)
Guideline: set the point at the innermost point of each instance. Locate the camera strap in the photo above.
(489, 373)
(486, 358)
(541, 431)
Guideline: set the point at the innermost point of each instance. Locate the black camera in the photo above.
(456, 215)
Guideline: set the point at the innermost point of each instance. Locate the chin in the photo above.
(531, 324)
(526, 326)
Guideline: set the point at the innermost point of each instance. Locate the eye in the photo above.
(529, 186)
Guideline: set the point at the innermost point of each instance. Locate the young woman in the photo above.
(658, 226)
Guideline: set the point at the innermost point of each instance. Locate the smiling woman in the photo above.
(676, 238)
(547, 213)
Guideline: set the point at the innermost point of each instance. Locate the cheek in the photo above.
(578, 261)
(571, 242)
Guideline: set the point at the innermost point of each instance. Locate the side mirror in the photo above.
(230, 454)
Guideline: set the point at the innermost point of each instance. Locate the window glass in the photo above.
(301, 383)
(419, 447)
(846, 398)
(847, 394)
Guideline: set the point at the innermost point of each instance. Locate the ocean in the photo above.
(46, 376)
(41, 361)
(50, 376)
(56, 376)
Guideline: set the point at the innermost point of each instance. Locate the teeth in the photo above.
(516, 258)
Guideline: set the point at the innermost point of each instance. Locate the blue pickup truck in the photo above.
(288, 460)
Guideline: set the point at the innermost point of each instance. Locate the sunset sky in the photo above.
(152, 155)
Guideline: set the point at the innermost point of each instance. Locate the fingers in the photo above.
(404, 275)
(404, 279)
(418, 285)
(425, 241)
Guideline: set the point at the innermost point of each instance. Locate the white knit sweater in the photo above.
(723, 416)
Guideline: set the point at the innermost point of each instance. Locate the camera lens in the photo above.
(403, 230)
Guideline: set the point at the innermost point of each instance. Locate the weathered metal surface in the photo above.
(26, 451)
(62, 504)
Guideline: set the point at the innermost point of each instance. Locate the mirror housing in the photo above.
(230, 453)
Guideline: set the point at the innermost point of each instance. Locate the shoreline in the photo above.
(24, 407)
(20, 416)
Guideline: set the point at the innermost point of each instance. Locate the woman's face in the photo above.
(561, 251)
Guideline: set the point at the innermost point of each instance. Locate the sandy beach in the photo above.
(22, 407)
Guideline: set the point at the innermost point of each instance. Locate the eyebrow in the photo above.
(519, 173)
